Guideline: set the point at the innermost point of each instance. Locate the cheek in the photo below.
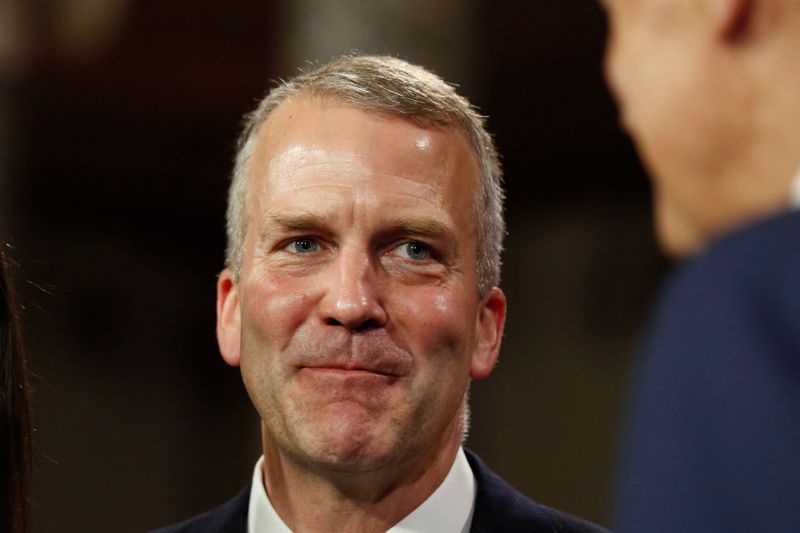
(272, 310)
(437, 323)
(675, 134)
(621, 61)
(614, 67)
(662, 104)
(443, 303)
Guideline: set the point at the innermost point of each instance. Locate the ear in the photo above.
(490, 325)
(228, 318)
(730, 18)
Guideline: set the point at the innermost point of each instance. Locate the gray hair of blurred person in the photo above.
(385, 85)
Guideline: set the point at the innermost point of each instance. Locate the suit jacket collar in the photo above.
(498, 508)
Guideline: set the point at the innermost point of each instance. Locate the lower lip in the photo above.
(346, 373)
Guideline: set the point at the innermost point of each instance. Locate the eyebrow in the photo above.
(275, 223)
(297, 221)
(420, 226)
(423, 226)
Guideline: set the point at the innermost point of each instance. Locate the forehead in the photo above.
(326, 141)
(632, 8)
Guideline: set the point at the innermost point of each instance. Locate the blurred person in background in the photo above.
(15, 437)
(710, 92)
(365, 226)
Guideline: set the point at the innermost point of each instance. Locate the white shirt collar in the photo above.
(450, 506)
(448, 509)
(261, 516)
(796, 191)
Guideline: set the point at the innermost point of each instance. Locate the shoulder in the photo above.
(757, 264)
(725, 337)
(715, 396)
(230, 517)
(740, 297)
(500, 507)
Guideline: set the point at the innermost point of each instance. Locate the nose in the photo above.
(352, 299)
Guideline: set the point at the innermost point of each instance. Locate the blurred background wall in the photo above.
(117, 125)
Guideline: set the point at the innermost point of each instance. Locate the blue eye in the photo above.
(304, 245)
(416, 250)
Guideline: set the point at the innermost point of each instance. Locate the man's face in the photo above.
(356, 318)
(669, 79)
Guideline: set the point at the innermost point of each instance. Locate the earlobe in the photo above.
(491, 323)
(228, 318)
(731, 17)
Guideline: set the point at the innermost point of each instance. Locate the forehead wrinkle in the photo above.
(294, 163)
(333, 188)
(297, 158)
(334, 178)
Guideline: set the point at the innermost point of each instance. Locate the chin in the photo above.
(675, 247)
(347, 442)
(677, 237)
(349, 459)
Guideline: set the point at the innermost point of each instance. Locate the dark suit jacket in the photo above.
(499, 508)
(713, 443)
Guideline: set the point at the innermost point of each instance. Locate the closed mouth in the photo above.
(347, 370)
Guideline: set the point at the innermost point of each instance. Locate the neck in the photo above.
(311, 499)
